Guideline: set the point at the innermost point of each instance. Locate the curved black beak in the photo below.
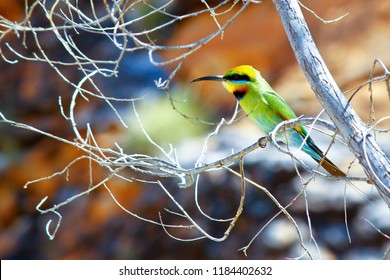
(210, 78)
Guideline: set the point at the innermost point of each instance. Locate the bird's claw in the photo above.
(263, 141)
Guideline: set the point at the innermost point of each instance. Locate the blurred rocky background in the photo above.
(346, 222)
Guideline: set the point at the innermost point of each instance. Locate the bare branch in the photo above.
(351, 127)
(136, 26)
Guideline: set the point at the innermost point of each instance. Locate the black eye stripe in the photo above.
(237, 77)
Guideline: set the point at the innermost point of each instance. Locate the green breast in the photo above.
(259, 112)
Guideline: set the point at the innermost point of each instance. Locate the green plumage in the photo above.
(267, 109)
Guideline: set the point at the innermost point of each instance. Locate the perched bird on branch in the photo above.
(267, 109)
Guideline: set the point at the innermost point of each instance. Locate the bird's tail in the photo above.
(324, 161)
(330, 167)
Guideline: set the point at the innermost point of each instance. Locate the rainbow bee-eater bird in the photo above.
(267, 109)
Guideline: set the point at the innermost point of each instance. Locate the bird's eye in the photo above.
(238, 77)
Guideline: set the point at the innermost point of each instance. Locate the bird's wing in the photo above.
(281, 108)
(284, 111)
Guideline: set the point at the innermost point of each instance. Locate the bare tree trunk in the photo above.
(351, 127)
